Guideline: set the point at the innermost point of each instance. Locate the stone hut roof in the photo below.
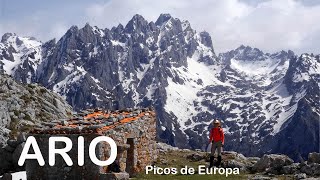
(93, 121)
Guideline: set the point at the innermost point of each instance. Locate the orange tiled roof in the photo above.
(92, 123)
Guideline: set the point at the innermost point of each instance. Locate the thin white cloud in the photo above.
(35, 25)
(270, 25)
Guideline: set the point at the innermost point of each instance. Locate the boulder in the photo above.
(259, 177)
(5, 161)
(16, 153)
(163, 147)
(21, 137)
(234, 164)
(234, 155)
(300, 176)
(274, 161)
(291, 169)
(314, 157)
(13, 143)
(195, 157)
(9, 148)
(253, 160)
(306, 169)
(312, 169)
(315, 169)
(115, 176)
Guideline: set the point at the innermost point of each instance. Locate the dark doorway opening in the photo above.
(130, 156)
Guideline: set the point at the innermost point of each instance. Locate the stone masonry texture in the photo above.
(133, 130)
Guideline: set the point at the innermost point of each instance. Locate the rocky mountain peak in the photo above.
(307, 67)
(73, 29)
(284, 55)
(186, 25)
(163, 18)
(307, 60)
(308, 56)
(205, 39)
(6, 37)
(249, 53)
(242, 46)
(19, 54)
(87, 28)
(14, 38)
(49, 43)
(118, 30)
(16, 41)
(137, 24)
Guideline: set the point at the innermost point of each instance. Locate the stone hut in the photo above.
(133, 130)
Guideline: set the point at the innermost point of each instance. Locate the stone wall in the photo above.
(134, 132)
(9, 154)
(61, 170)
(143, 133)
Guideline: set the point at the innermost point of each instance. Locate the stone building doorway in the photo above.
(130, 156)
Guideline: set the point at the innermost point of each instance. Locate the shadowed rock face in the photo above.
(260, 97)
(302, 80)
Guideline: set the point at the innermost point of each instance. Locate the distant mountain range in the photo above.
(267, 102)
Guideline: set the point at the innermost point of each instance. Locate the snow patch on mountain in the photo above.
(118, 43)
(62, 87)
(256, 67)
(313, 68)
(17, 50)
(181, 96)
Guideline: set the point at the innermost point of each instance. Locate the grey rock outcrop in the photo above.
(314, 157)
(281, 164)
(290, 169)
(270, 166)
(23, 107)
(312, 169)
(233, 159)
(300, 176)
(273, 161)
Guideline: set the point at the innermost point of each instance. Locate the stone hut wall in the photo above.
(134, 134)
(142, 134)
(61, 170)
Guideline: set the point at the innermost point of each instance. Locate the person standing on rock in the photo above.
(217, 139)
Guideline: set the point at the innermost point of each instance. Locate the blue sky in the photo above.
(271, 25)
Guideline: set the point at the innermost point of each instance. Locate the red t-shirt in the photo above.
(216, 134)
